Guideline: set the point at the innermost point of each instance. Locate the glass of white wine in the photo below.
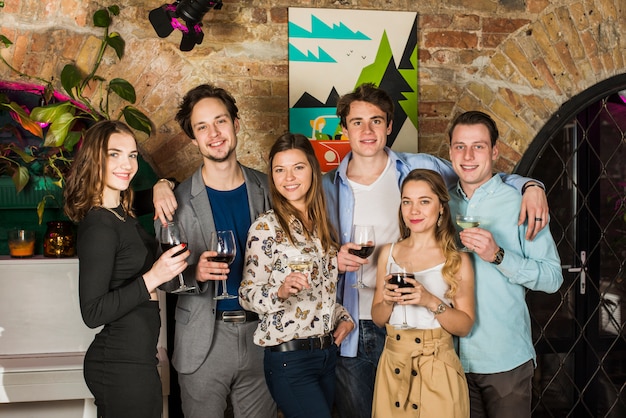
(301, 263)
(467, 221)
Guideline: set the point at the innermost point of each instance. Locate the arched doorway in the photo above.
(579, 332)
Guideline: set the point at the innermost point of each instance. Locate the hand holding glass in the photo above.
(362, 235)
(467, 221)
(301, 263)
(223, 242)
(170, 236)
(399, 273)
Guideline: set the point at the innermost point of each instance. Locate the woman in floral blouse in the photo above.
(300, 325)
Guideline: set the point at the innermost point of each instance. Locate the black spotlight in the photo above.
(184, 15)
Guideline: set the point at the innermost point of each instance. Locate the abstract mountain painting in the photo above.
(331, 52)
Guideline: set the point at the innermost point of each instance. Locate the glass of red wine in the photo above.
(400, 271)
(362, 235)
(170, 236)
(223, 242)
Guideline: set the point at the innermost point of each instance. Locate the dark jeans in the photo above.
(356, 375)
(506, 394)
(302, 382)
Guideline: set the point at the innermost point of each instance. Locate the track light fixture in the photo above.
(185, 16)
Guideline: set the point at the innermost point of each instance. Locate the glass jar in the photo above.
(59, 241)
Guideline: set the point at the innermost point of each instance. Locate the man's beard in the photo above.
(221, 159)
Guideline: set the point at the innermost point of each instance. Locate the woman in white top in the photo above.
(419, 373)
(300, 325)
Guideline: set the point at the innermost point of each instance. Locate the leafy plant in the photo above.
(60, 121)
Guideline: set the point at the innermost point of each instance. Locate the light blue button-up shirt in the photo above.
(501, 337)
(340, 201)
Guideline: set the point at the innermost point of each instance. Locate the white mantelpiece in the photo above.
(43, 341)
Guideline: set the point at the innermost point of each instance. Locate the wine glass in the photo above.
(302, 263)
(170, 236)
(223, 242)
(400, 271)
(362, 235)
(467, 221)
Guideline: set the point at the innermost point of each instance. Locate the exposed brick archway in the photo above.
(566, 50)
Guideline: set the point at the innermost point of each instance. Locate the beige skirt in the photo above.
(420, 375)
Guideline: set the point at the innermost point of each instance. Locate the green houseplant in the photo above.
(60, 120)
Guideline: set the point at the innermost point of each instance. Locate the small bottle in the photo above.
(58, 241)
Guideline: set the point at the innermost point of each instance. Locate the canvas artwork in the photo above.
(330, 53)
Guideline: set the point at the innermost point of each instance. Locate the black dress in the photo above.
(120, 365)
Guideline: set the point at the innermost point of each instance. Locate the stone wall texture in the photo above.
(518, 60)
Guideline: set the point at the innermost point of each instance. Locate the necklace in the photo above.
(117, 215)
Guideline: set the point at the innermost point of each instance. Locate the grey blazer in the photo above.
(195, 313)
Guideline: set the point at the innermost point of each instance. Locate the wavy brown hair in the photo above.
(315, 199)
(85, 181)
(445, 233)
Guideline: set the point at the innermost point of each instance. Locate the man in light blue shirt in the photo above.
(498, 354)
(365, 189)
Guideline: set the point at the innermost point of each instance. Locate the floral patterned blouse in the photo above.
(310, 313)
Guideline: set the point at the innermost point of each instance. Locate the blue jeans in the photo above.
(302, 382)
(356, 375)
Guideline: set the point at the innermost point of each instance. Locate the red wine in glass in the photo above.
(170, 236)
(400, 271)
(362, 235)
(228, 258)
(364, 252)
(166, 246)
(223, 242)
(399, 279)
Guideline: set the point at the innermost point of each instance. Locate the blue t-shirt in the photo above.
(232, 211)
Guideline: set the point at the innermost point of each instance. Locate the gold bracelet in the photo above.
(170, 184)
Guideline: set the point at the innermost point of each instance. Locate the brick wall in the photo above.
(518, 60)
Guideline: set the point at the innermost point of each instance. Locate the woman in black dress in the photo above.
(118, 275)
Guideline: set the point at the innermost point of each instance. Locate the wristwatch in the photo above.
(440, 309)
(499, 256)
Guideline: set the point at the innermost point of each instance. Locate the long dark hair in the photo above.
(315, 200)
(85, 181)
(444, 232)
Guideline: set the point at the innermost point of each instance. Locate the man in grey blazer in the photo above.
(214, 353)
